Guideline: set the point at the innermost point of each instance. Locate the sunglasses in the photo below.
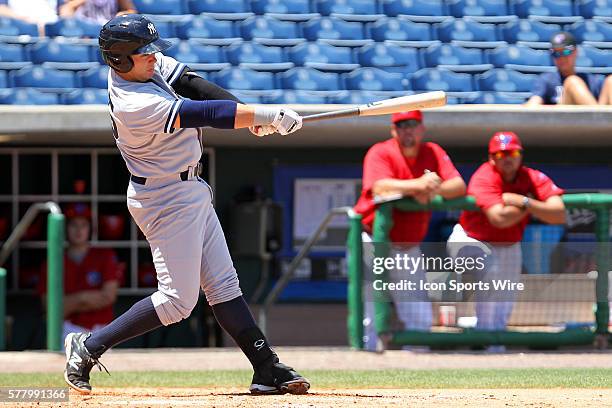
(564, 52)
(408, 124)
(505, 153)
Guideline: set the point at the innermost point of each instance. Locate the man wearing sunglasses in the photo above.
(404, 165)
(507, 193)
(566, 86)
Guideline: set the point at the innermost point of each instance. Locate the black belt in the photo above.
(143, 180)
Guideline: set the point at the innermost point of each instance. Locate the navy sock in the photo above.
(235, 317)
(139, 319)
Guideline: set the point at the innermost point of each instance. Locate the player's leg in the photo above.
(511, 261)
(220, 284)
(371, 340)
(576, 92)
(605, 96)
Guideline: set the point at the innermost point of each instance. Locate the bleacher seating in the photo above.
(323, 51)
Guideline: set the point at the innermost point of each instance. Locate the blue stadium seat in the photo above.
(71, 27)
(363, 7)
(95, 77)
(13, 27)
(160, 6)
(432, 79)
(11, 53)
(551, 11)
(389, 56)
(273, 31)
(38, 77)
(321, 56)
(529, 30)
(594, 59)
(308, 79)
(433, 8)
(248, 96)
(86, 96)
(258, 57)
(58, 51)
(373, 79)
(3, 79)
(295, 97)
(354, 97)
(456, 58)
(205, 27)
(591, 30)
(27, 97)
(466, 29)
(244, 79)
(399, 30)
(505, 98)
(281, 6)
(224, 6)
(502, 80)
(191, 51)
(460, 8)
(594, 8)
(331, 28)
(521, 58)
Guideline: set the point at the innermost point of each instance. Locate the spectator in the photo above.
(96, 11)
(404, 165)
(91, 276)
(506, 192)
(566, 86)
(39, 12)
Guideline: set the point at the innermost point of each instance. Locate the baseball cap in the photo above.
(74, 210)
(400, 116)
(504, 141)
(562, 39)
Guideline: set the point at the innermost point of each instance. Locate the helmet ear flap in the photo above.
(120, 63)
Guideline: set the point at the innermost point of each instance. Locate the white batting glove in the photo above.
(262, 130)
(287, 121)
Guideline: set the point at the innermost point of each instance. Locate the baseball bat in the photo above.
(385, 107)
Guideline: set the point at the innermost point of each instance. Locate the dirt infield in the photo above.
(336, 398)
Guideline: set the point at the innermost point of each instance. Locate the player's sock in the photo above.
(235, 317)
(139, 319)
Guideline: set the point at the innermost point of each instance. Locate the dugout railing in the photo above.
(383, 222)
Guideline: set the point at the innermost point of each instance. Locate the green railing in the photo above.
(383, 222)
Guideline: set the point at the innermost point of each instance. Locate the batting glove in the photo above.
(262, 130)
(287, 121)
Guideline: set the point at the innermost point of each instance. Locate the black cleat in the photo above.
(79, 362)
(273, 377)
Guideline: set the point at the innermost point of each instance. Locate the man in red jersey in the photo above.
(91, 276)
(404, 165)
(506, 192)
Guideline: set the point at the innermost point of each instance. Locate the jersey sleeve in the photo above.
(169, 68)
(150, 111)
(543, 186)
(375, 167)
(446, 168)
(486, 191)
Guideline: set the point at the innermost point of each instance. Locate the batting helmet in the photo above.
(127, 35)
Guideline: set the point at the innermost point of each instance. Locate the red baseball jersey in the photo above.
(488, 186)
(99, 266)
(385, 160)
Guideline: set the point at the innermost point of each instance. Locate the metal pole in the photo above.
(2, 309)
(55, 281)
(383, 222)
(355, 282)
(602, 230)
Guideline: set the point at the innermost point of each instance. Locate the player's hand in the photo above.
(430, 182)
(513, 199)
(286, 121)
(262, 130)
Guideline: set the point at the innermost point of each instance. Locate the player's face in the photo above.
(508, 162)
(409, 132)
(77, 231)
(144, 67)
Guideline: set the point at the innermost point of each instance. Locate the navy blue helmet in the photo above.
(127, 35)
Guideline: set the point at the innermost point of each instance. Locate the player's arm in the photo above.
(427, 183)
(191, 85)
(551, 210)
(88, 300)
(452, 188)
(504, 216)
(535, 100)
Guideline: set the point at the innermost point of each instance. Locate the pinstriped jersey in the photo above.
(143, 114)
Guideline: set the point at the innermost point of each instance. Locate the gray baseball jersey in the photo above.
(143, 114)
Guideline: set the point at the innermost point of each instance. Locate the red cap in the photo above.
(415, 114)
(74, 210)
(504, 141)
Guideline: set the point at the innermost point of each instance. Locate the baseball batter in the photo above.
(158, 107)
(507, 192)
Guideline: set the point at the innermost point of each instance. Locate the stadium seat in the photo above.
(205, 27)
(258, 57)
(224, 6)
(11, 52)
(460, 8)
(373, 79)
(244, 79)
(432, 79)
(281, 6)
(248, 96)
(160, 6)
(594, 60)
(86, 96)
(27, 97)
(389, 56)
(14, 27)
(591, 30)
(333, 29)
(286, 96)
(322, 56)
(594, 8)
(502, 80)
(552, 11)
(431, 10)
(456, 58)
(354, 97)
(521, 58)
(95, 78)
(3, 79)
(466, 30)
(191, 51)
(350, 10)
(498, 98)
(273, 31)
(528, 30)
(38, 77)
(399, 30)
(61, 55)
(308, 79)
(72, 27)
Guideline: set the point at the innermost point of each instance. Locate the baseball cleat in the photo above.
(274, 377)
(79, 362)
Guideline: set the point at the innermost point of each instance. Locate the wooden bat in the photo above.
(393, 105)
